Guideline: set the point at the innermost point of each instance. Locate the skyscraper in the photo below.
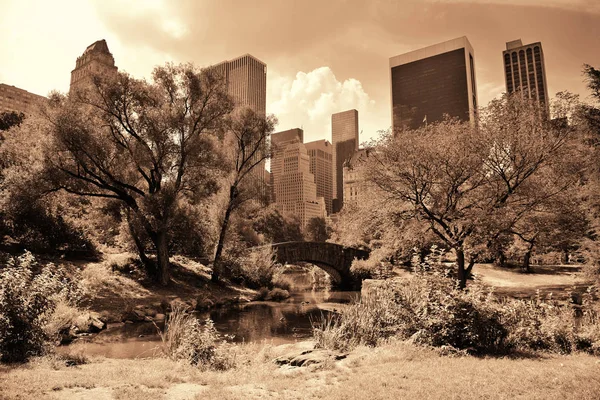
(246, 80)
(321, 166)
(19, 100)
(433, 81)
(295, 187)
(525, 72)
(344, 138)
(95, 60)
(356, 187)
(279, 142)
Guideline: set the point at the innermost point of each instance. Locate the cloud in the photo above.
(308, 100)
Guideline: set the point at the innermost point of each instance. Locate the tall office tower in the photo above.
(246, 80)
(428, 83)
(356, 187)
(19, 100)
(344, 138)
(95, 60)
(525, 71)
(321, 155)
(279, 142)
(295, 188)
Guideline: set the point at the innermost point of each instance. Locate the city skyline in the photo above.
(312, 73)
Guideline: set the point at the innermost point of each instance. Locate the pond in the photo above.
(253, 322)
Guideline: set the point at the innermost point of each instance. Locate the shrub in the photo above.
(185, 339)
(427, 309)
(29, 295)
(282, 281)
(550, 325)
(258, 269)
(262, 294)
(277, 294)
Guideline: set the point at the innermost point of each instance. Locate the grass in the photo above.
(110, 292)
(558, 280)
(394, 371)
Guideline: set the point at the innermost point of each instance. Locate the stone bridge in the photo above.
(333, 258)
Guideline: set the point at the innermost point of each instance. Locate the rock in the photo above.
(89, 323)
(136, 315)
(159, 317)
(179, 304)
(308, 357)
(204, 303)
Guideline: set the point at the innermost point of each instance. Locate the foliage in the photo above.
(469, 183)
(186, 339)
(29, 295)
(428, 309)
(317, 230)
(258, 269)
(248, 133)
(39, 221)
(273, 227)
(277, 294)
(146, 144)
(10, 119)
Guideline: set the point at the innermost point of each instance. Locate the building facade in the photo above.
(295, 187)
(525, 71)
(95, 60)
(279, 142)
(246, 80)
(344, 139)
(356, 187)
(19, 100)
(428, 83)
(321, 166)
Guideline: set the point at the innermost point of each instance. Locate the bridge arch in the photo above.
(333, 258)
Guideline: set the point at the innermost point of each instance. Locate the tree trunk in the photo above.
(527, 261)
(460, 262)
(500, 260)
(147, 262)
(469, 269)
(162, 258)
(565, 258)
(217, 267)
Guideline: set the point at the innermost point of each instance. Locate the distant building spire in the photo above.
(95, 60)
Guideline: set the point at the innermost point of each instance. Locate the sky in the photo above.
(322, 56)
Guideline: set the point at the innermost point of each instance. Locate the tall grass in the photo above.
(185, 339)
(429, 309)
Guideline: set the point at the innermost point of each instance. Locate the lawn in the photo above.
(393, 371)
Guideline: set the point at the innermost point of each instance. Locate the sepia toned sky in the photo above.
(322, 56)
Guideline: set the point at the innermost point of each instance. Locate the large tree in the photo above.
(461, 179)
(247, 137)
(146, 144)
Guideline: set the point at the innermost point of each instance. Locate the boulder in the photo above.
(135, 315)
(89, 323)
(308, 357)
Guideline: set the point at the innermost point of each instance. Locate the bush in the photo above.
(185, 339)
(550, 325)
(257, 269)
(282, 281)
(277, 294)
(29, 295)
(427, 309)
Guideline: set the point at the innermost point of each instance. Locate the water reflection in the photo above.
(274, 322)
